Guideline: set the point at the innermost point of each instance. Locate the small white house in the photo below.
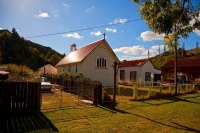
(47, 69)
(94, 60)
(138, 70)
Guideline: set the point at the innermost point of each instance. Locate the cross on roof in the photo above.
(104, 35)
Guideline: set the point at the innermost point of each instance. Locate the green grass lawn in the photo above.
(175, 114)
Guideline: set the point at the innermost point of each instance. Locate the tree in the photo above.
(54, 59)
(174, 18)
(0, 55)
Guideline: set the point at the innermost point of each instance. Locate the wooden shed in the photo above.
(189, 67)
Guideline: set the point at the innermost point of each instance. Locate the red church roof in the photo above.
(132, 63)
(191, 62)
(79, 54)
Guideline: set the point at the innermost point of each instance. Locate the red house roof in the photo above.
(79, 54)
(132, 63)
(191, 62)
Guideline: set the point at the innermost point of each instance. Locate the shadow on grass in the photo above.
(36, 122)
(176, 126)
(171, 99)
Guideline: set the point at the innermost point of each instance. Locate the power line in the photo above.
(83, 29)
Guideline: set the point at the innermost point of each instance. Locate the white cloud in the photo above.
(197, 32)
(42, 15)
(138, 52)
(156, 47)
(98, 33)
(111, 30)
(150, 36)
(129, 57)
(73, 35)
(66, 5)
(134, 50)
(1, 29)
(55, 13)
(89, 9)
(119, 20)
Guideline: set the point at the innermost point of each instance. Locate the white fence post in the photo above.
(186, 88)
(150, 91)
(119, 91)
(135, 92)
(193, 87)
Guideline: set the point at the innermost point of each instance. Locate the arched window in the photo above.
(100, 62)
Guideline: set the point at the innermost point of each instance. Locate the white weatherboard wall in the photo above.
(148, 67)
(89, 69)
(140, 70)
(127, 73)
(104, 75)
(72, 67)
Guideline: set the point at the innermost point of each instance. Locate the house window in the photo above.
(147, 76)
(122, 74)
(100, 61)
(132, 75)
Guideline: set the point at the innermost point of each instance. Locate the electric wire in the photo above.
(83, 29)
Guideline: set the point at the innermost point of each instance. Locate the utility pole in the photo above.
(197, 48)
(183, 49)
(175, 60)
(114, 89)
(175, 53)
(164, 49)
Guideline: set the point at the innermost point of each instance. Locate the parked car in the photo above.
(45, 84)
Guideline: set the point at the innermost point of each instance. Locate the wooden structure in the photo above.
(20, 97)
(47, 69)
(189, 67)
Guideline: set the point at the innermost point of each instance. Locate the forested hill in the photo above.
(159, 60)
(17, 50)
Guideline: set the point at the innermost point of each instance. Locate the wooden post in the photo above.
(95, 96)
(193, 87)
(149, 91)
(161, 91)
(119, 91)
(135, 92)
(114, 89)
(186, 88)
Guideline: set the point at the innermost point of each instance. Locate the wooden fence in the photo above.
(20, 97)
(145, 92)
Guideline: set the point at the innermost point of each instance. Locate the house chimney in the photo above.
(73, 47)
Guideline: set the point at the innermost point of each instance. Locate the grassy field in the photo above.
(175, 114)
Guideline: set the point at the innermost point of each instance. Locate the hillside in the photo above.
(17, 50)
(160, 60)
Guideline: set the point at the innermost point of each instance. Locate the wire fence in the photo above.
(60, 98)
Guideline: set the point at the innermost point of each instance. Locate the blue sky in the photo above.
(83, 22)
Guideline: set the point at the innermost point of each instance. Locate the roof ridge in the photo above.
(90, 43)
(138, 59)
